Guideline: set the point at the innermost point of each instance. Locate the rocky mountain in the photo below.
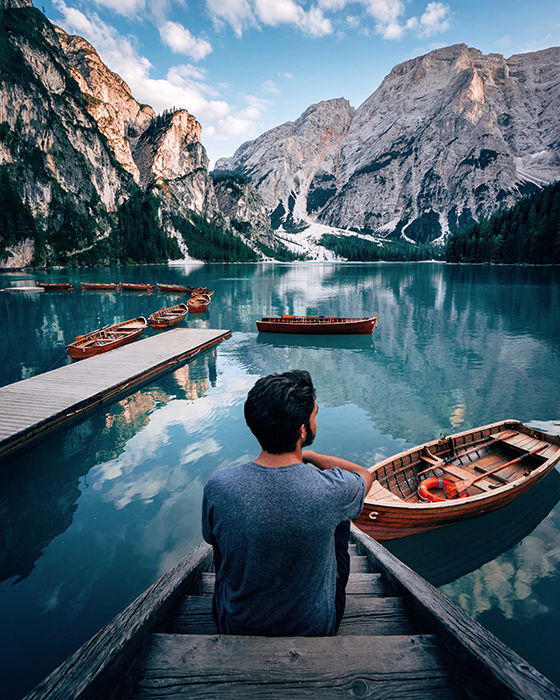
(446, 139)
(90, 174)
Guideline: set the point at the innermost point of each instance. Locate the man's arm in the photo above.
(329, 462)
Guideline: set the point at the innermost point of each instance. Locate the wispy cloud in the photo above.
(180, 40)
(244, 14)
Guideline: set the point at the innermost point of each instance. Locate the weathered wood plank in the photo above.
(363, 615)
(207, 667)
(483, 664)
(106, 665)
(359, 565)
(358, 584)
(366, 615)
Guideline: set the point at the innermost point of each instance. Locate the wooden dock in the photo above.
(399, 638)
(34, 407)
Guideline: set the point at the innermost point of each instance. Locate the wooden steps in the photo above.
(378, 652)
(206, 667)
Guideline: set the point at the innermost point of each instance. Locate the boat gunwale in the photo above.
(88, 337)
(454, 505)
(317, 320)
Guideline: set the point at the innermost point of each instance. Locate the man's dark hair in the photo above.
(276, 407)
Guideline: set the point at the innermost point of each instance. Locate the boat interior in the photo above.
(483, 462)
(109, 335)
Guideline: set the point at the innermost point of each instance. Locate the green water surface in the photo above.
(92, 516)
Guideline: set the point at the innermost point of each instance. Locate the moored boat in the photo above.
(106, 338)
(198, 303)
(56, 286)
(399, 637)
(176, 288)
(129, 287)
(171, 316)
(456, 478)
(317, 324)
(100, 285)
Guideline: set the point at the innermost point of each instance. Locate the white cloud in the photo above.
(179, 88)
(180, 40)
(128, 8)
(243, 14)
(287, 76)
(270, 86)
(436, 19)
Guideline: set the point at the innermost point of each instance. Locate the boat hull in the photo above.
(55, 287)
(80, 349)
(100, 285)
(319, 326)
(385, 520)
(198, 304)
(127, 287)
(167, 318)
(176, 288)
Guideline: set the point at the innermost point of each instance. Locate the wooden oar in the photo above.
(448, 460)
(465, 485)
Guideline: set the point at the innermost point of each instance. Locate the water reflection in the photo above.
(446, 554)
(92, 516)
(38, 504)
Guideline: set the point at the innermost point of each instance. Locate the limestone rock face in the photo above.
(108, 98)
(76, 145)
(289, 161)
(447, 138)
(49, 144)
(245, 209)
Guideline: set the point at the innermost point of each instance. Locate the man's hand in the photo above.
(329, 462)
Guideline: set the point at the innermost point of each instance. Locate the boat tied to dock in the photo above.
(107, 338)
(170, 316)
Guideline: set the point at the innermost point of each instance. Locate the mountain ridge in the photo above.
(447, 138)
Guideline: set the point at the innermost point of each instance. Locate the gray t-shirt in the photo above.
(273, 535)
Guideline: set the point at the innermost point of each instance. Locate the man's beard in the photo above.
(309, 436)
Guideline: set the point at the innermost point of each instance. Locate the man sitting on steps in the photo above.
(278, 526)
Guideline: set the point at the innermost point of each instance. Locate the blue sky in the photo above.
(244, 66)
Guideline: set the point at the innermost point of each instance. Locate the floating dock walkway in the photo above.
(33, 407)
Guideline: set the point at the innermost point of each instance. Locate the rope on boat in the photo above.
(57, 360)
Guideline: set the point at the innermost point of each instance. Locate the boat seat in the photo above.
(380, 493)
(464, 475)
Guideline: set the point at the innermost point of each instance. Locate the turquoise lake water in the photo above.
(92, 516)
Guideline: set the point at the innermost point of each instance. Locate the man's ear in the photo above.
(302, 432)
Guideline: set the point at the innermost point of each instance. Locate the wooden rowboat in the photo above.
(317, 324)
(107, 338)
(462, 476)
(177, 288)
(200, 290)
(198, 303)
(129, 287)
(171, 316)
(399, 637)
(100, 285)
(56, 286)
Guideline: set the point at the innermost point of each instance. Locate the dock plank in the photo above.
(294, 667)
(364, 615)
(34, 406)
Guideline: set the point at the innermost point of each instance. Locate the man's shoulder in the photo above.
(228, 473)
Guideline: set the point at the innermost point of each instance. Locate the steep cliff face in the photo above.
(101, 175)
(293, 165)
(447, 138)
(120, 118)
(50, 146)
